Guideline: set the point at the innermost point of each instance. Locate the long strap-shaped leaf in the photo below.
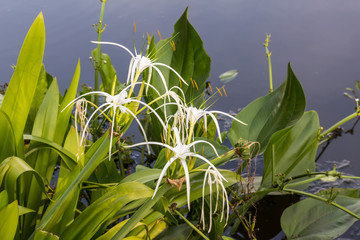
(21, 89)
(141, 213)
(53, 216)
(103, 209)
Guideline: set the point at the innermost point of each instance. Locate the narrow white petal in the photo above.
(187, 178)
(216, 124)
(203, 141)
(212, 165)
(162, 174)
(115, 44)
(139, 123)
(85, 94)
(164, 65)
(162, 78)
(92, 115)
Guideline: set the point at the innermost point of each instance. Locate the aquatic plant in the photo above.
(94, 198)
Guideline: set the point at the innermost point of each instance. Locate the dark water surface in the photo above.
(319, 38)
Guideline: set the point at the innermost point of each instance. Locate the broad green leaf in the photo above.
(228, 76)
(89, 221)
(8, 224)
(7, 137)
(189, 59)
(270, 113)
(22, 86)
(314, 219)
(1, 99)
(291, 151)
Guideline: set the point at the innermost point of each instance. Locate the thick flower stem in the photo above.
(98, 61)
(99, 31)
(341, 122)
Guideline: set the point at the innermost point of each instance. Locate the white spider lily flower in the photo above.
(212, 177)
(116, 102)
(193, 114)
(182, 151)
(139, 63)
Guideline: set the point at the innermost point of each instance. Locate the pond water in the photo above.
(319, 38)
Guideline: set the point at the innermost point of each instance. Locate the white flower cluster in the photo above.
(181, 144)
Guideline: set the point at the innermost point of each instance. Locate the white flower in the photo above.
(193, 114)
(182, 151)
(214, 177)
(139, 63)
(116, 102)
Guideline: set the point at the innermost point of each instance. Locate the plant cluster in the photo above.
(67, 174)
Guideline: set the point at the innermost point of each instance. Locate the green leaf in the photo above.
(8, 224)
(189, 59)
(178, 232)
(66, 155)
(22, 86)
(314, 219)
(11, 170)
(89, 221)
(270, 113)
(67, 174)
(43, 161)
(1, 99)
(7, 137)
(42, 86)
(3, 199)
(95, 155)
(24, 210)
(228, 76)
(141, 213)
(63, 119)
(143, 176)
(291, 151)
(42, 235)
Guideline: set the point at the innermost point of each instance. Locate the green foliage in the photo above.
(313, 219)
(9, 225)
(53, 187)
(19, 94)
(291, 151)
(271, 113)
